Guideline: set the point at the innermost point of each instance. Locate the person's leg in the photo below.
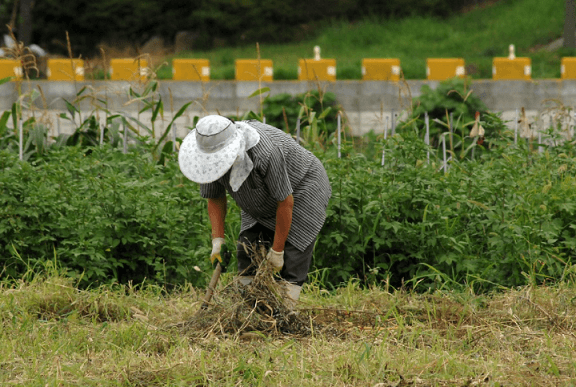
(296, 263)
(295, 271)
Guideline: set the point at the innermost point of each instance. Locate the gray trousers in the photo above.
(296, 262)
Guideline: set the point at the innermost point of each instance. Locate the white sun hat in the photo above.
(210, 150)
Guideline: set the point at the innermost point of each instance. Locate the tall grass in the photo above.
(477, 36)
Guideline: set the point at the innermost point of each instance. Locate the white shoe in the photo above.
(292, 295)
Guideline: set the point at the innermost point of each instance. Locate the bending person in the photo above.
(281, 188)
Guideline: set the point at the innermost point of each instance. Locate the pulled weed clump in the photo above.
(247, 311)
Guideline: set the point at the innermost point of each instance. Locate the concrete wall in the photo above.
(365, 103)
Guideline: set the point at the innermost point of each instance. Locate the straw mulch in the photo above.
(253, 310)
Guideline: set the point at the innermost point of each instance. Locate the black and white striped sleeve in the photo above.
(212, 190)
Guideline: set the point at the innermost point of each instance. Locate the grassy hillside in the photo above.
(477, 36)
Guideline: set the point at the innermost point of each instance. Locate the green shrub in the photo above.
(349, 72)
(504, 219)
(106, 216)
(285, 73)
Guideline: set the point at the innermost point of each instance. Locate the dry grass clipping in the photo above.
(242, 311)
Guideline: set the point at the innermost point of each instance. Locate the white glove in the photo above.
(216, 247)
(276, 259)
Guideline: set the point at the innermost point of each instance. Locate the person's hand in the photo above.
(217, 244)
(276, 259)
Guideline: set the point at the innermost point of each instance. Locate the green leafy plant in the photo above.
(488, 222)
(107, 216)
(283, 111)
(451, 108)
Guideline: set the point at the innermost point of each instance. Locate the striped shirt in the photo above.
(281, 168)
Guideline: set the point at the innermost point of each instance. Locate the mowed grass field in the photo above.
(53, 334)
(477, 36)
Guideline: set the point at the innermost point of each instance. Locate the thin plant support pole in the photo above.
(384, 146)
(339, 136)
(20, 140)
(386, 130)
(540, 147)
(386, 127)
(475, 140)
(298, 131)
(393, 123)
(552, 129)
(174, 138)
(516, 128)
(444, 152)
(427, 136)
(125, 138)
(102, 132)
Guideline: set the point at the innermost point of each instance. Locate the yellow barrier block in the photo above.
(568, 68)
(65, 70)
(191, 70)
(439, 69)
(317, 69)
(254, 70)
(381, 69)
(510, 69)
(128, 69)
(11, 68)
